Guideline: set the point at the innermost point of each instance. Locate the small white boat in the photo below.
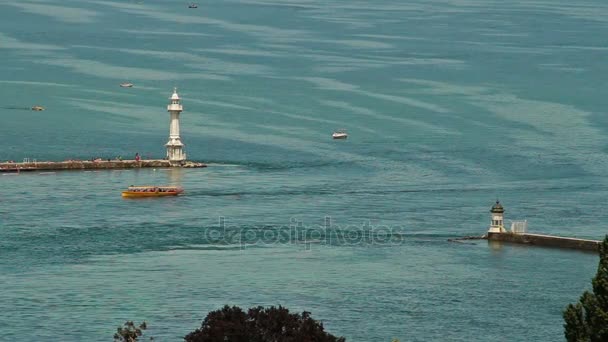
(126, 85)
(38, 108)
(340, 134)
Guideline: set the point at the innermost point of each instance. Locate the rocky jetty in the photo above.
(93, 165)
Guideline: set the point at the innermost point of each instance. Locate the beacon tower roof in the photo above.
(497, 208)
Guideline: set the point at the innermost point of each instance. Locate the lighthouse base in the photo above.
(175, 154)
(496, 230)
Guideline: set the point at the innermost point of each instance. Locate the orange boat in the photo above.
(152, 191)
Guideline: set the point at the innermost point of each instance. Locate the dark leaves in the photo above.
(274, 324)
(587, 320)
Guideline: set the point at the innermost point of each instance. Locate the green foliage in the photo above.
(574, 328)
(129, 332)
(260, 324)
(587, 320)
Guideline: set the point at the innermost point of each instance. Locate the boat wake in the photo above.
(279, 166)
(17, 108)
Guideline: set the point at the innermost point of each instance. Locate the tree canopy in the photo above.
(587, 320)
(130, 332)
(259, 324)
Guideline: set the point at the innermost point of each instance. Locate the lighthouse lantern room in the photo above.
(497, 224)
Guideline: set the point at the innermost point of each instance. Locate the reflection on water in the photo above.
(175, 176)
(495, 246)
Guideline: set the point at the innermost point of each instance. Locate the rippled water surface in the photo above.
(449, 106)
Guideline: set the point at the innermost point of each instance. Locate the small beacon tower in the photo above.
(497, 224)
(175, 147)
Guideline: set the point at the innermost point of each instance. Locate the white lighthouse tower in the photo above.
(497, 224)
(175, 147)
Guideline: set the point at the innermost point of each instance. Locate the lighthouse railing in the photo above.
(519, 227)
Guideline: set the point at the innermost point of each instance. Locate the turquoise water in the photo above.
(449, 105)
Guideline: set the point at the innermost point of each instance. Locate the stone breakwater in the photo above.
(92, 165)
(536, 240)
(546, 241)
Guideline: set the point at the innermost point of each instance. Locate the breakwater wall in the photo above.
(91, 165)
(546, 241)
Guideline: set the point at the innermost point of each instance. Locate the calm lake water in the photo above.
(449, 106)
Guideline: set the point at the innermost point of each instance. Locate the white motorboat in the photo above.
(126, 85)
(340, 134)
